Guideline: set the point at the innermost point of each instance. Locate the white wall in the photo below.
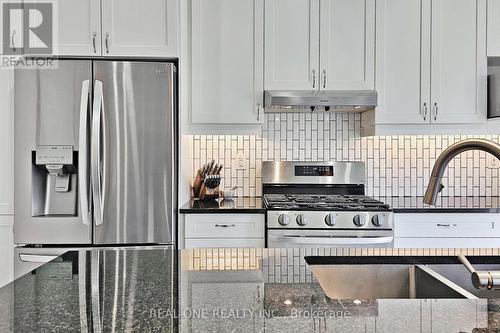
(6, 176)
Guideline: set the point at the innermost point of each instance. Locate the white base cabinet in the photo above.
(443, 230)
(224, 230)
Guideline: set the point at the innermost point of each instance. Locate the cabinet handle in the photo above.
(258, 111)
(94, 35)
(448, 225)
(12, 40)
(426, 111)
(436, 110)
(106, 42)
(314, 78)
(324, 79)
(225, 225)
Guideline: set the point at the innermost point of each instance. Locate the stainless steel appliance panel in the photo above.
(293, 238)
(285, 173)
(494, 95)
(133, 152)
(49, 104)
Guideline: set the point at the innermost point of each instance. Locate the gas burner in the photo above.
(323, 202)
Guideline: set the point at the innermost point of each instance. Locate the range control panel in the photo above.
(314, 171)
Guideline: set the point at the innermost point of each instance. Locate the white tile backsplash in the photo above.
(395, 165)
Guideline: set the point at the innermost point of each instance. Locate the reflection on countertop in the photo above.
(443, 204)
(244, 205)
(219, 290)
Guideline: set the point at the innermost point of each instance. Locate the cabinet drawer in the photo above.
(198, 243)
(447, 225)
(224, 226)
(456, 242)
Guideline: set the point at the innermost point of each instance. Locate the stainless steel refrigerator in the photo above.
(95, 156)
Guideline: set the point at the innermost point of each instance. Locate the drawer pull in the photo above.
(449, 225)
(225, 225)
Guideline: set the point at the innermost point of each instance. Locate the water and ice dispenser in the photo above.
(54, 181)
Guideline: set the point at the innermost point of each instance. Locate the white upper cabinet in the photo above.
(430, 72)
(347, 44)
(458, 75)
(226, 61)
(493, 28)
(403, 61)
(291, 44)
(319, 44)
(139, 28)
(78, 27)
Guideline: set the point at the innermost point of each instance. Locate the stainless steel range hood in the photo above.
(328, 100)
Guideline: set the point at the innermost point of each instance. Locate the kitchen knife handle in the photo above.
(83, 178)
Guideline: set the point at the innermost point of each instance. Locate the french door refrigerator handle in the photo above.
(95, 159)
(83, 178)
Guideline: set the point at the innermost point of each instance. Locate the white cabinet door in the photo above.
(493, 28)
(227, 61)
(78, 27)
(14, 45)
(403, 61)
(347, 44)
(291, 44)
(458, 61)
(139, 28)
(6, 141)
(6, 250)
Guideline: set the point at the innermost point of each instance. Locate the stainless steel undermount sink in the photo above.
(399, 277)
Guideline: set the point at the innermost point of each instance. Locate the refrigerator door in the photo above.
(133, 163)
(52, 114)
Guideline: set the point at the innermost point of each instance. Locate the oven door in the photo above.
(286, 238)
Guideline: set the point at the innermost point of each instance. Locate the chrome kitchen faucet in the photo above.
(446, 156)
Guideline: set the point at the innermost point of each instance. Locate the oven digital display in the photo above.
(322, 171)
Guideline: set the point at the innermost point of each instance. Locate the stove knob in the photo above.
(284, 219)
(301, 220)
(331, 219)
(378, 220)
(359, 220)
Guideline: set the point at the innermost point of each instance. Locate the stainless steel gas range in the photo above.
(323, 204)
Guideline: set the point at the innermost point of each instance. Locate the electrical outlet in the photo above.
(492, 162)
(240, 162)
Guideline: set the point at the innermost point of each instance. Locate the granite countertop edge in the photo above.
(399, 205)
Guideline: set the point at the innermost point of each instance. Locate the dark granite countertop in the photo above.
(254, 205)
(238, 205)
(444, 204)
(219, 290)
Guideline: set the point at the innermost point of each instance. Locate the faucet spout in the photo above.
(446, 156)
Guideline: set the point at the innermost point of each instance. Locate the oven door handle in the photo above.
(319, 240)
